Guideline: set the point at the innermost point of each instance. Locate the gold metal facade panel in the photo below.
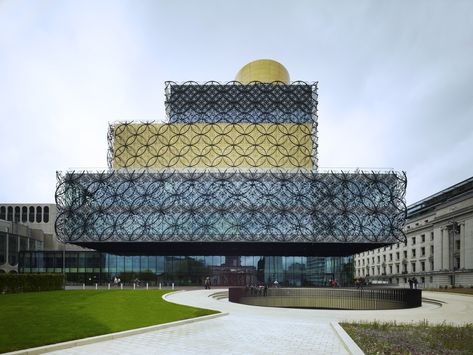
(264, 70)
(219, 145)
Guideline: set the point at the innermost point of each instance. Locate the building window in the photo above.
(2, 212)
(17, 214)
(384, 257)
(397, 255)
(10, 213)
(391, 257)
(46, 214)
(432, 250)
(413, 267)
(24, 214)
(457, 244)
(39, 214)
(413, 240)
(390, 269)
(422, 266)
(405, 254)
(12, 250)
(422, 251)
(457, 264)
(422, 280)
(379, 259)
(422, 238)
(431, 235)
(413, 253)
(31, 216)
(397, 269)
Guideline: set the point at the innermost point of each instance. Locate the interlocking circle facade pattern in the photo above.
(231, 206)
(233, 163)
(213, 145)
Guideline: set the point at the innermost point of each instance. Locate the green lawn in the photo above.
(464, 291)
(39, 318)
(421, 338)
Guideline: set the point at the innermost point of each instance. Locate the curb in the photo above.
(433, 301)
(347, 341)
(104, 337)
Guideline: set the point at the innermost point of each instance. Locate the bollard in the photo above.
(109, 286)
(160, 285)
(83, 286)
(96, 286)
(173, 285)
(147, 286)
(121, 286)
(134, 286)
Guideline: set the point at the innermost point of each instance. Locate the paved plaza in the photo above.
(260, 330)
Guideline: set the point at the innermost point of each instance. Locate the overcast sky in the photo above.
(395, 78)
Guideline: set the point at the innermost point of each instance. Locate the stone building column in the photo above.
(462, 245)
(437, 242)
(468, 246)
(445, 249)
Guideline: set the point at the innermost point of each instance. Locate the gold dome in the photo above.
(264, 70)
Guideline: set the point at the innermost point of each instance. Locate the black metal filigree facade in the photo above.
(233, 163)
(231, 206)
(230, 125)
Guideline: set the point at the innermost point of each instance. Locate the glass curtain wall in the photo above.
(102, 268)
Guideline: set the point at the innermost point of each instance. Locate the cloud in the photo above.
(395, 78)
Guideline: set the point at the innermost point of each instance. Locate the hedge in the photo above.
(14, 283)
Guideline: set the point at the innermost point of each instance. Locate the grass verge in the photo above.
(40, 318)
(464, 291)
(420, 338)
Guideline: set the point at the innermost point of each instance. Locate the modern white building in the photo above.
(439, 246)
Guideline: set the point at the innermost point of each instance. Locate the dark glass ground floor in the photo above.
(94, 267)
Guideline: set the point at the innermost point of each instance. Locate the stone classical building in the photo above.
(439, 246)
(25, 227)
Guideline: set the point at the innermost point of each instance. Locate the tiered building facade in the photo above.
(228, 187)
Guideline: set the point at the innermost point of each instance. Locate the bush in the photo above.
(15, 283)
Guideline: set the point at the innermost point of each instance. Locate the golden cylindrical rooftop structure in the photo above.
(263, 70)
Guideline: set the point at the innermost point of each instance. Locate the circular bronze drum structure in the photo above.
(327, 298)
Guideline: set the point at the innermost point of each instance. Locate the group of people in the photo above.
(412, 282)
(360, 282)
(333, 283)
(116, 281)
(257, 290)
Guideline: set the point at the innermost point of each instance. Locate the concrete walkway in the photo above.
(261, 330)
